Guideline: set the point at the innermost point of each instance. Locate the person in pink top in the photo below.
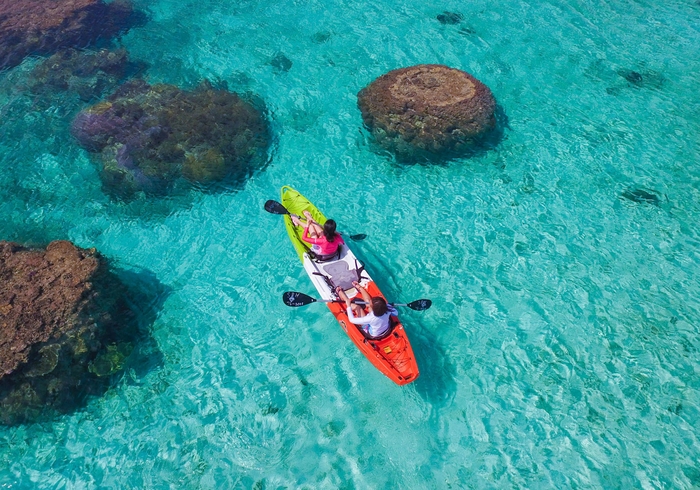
(324, 239)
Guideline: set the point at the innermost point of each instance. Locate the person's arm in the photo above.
(341, 294)
(348, 306)
(357, 321)
(365, 295)
(307, 238)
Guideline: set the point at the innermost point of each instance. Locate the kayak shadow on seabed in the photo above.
(436, 383)
(147, 295)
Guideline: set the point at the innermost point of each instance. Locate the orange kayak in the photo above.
(392, 354)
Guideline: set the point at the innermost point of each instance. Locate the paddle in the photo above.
(276, 208)
(295, 299)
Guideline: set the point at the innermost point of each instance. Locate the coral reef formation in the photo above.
(281, 63)
(44, 26)
(642, 78)
(65, 328)
(149, 137)
(641, 196)
(450, 18)
(625, 80)
(90, 74)
(427, 110)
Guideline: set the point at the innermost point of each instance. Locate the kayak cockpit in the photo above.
(342, 272)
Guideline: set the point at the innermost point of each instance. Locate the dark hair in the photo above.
(329, 230)
(379, 306)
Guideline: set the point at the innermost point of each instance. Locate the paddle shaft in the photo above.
(355, 302)
(294, 298)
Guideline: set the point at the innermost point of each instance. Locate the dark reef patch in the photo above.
(450, 18)
(633, 77)
(641, 196)
(89, 74)
(152, 138)
(321, 37)
(429, 112)
(38, 27)
(68, 328)
(281, 63)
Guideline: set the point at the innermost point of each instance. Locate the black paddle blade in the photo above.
(420, 304)
(358, 237)
(294, 299)
(275, 208)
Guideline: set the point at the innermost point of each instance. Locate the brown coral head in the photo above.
(431, 109)
(151, 136)
(61, 308)
(40, 27)
(435, 86)
(205, 167)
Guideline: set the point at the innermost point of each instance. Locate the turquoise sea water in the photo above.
(562, 349)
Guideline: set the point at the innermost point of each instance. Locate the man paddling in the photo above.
(376, 322)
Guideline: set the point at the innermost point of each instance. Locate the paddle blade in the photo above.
(358, 237)
(275, 208)
(294, 299)
(420, 304)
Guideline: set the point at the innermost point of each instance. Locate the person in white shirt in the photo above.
(375, 322)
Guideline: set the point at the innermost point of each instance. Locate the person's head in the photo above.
(379, 306)
(329, 230)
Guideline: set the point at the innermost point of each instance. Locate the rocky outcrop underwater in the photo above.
(148, 138)
(89, 74)
(428, 111)
(66, 329)
(42, 27)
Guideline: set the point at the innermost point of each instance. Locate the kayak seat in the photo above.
(340, 274)
(325, 258)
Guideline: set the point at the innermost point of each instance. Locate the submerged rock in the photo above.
(633, 77)
(61, 312)
(642, 78)
(44, 26)
(641, 196)
(321, 37)
(427, 110)
(281, 63)
(89, 74)
(636, 80)
(450, 18)
(149, 137)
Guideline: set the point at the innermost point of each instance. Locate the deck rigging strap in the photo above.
(392, 362)
(360, 268)
(329, 282)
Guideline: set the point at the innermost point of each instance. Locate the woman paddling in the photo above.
(324, 240)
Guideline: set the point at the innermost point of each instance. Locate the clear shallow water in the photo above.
(562, 348)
